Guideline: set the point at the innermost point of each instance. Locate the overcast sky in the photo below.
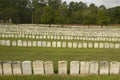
(107, 3)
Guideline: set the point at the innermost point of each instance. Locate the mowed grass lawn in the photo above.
(55, 55)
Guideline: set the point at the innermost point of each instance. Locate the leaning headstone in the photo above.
(62, 67)
(26, 67)
(74, 44)
(69, 44)
(104, 67)
(84, 67)
(7, 69)
(0, 68)
(16, 66)
(38, 67)
(94, 67)
(53, 44)
(114, 67)
(64, 44)
(74, 67)
(49, 67)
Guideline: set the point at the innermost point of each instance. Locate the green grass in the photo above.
(57, 77)
(55, 55)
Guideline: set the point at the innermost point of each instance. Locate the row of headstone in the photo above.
(59, 37)
(76, 68)
(58, 44)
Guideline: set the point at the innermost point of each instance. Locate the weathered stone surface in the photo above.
(49, 67)
(34, 43)
(94, 67)
(24, 43)
(26, 67)
(7, 70)
(104, 67)
(48, 44)
(58, 44)
(114, 67)
(75, 45)
(80, 45)
(84, 68)
(74, 67)
(29, 44)
(53, 44)
(96, 45)
(39, 43)
(43, 43)
(7, 42)
(20, 43)
(101, 45)
(14, 43)
(62, 67)
(38, 67)
(69, 44)
(16, 66)
(90, 45)
(84, 45)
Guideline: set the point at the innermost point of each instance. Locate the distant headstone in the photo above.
(106, 45)
(48, 44)
(62, 67)
(38, 67)
(7, 69)
(24, 43)
(53, 44)
(19, 42)
(74, 67)
(74, 44)
(7, 42)
(34, 44)
(43, 43)
(26, 67)
(58, 44)
(90, 45)
(117, 46)
(96, 45)
(84, 67)
(49, 67)
(114, 67)
(84, 45)
(104, 67)
(14, 43)
(112, 45)
(64, 44)
(94, 67)
(16, 66)
(39, 43)
(80, 45)
(29, 43)
(101, 45)
(69, 44)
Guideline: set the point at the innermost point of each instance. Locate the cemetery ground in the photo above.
(55, 55)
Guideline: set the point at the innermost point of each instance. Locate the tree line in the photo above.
(57, 12)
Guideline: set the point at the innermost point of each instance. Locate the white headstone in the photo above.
(117, 46)
(29, 43)
(39, 43)
(34, 43)
(84, 67)
(74, 67)
(48, 44)
(49, 67)
(7, 69)
(101, 45)
(7, 42)
(16, 66)
(114, 67)
(62, 67)
(38, 67)
(104, 67)
(19, 42)
(26, 67)
(24, 43)
(94, 67)
(96, 45)
(90, 45)
(64, 44)
(58, 44)
(69, 44)
(106, 45)
(14, 43)
(74, 44)
(53, 44)
(43, 43)
(80, 45)
(84, 45)
(112, 45)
